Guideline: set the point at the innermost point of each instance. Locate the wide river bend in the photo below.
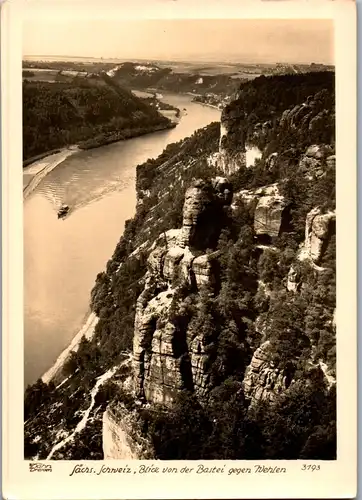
(63, 257)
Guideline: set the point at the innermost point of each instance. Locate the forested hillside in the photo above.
(88, 112)
(222, 289)
(143, 76)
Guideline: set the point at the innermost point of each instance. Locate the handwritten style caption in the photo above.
(155, 469)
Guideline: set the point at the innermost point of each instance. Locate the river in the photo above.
(63, 257)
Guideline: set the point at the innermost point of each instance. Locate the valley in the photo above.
(216, 311)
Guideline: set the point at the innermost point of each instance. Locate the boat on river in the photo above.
(62, 212)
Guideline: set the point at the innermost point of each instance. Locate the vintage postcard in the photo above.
(179, 249)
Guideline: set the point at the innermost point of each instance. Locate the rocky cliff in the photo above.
(270, 209)
(245, 123)
(319, 229)
(121, 439)
(222, 288)
(166, 359)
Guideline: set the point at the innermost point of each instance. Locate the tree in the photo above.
(35, 396)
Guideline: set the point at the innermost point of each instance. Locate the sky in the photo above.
(63, 30)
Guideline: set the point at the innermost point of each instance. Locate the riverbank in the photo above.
(207, 104)
(195, 99)
(39, 169)
(86, 331)
(123, 135)
(36, 158)
(107, 176)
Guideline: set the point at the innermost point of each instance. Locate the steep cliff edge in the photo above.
(121, 438)
(168, 358)
(271, 119)
(223, 289)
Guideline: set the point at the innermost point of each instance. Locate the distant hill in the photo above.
(149, 75)
(86, 111)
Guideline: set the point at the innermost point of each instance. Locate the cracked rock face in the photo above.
(198, 361)
(203, 213)
(164, 359)
(316, 160)
(318, 230)
(121, 440)
(232, 152)
(270, 211)
(268, 215)
(155, 367)
(231, 162)
(263, 381)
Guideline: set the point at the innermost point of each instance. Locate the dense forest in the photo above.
(88, 112)
(260, 105)
(250, 306)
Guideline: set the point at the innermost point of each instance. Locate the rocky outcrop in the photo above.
(232, 152)
(120, 438)
(164, 360)
(271, 161)
(316, 160)
(270, 210)
(238, 131)
(203, 213)
(318, 229)
(312, 114)
(268, 215)
(230, 162)
(263, 380)
(293, 280)
(167, 356)
(198, 359)
(293, 117)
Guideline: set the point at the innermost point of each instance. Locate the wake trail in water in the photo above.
(46, 165)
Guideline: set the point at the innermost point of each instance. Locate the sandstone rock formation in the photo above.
(270, 209)
(318, 229)
(268, 215)
(232, 153)
(164, 360)
(230, 162)
(263, 380)
(120, 439)
(293, 280)
(316, 160)
(311, 114)
(202, 213)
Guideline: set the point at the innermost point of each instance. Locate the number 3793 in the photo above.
(311, 467)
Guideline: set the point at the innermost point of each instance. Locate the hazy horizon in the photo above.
(66, 57)
(246, 41)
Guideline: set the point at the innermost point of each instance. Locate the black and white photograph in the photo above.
(179, 241)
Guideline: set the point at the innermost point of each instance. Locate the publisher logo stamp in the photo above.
(36, 467)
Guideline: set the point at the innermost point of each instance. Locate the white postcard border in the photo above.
(335, 479)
